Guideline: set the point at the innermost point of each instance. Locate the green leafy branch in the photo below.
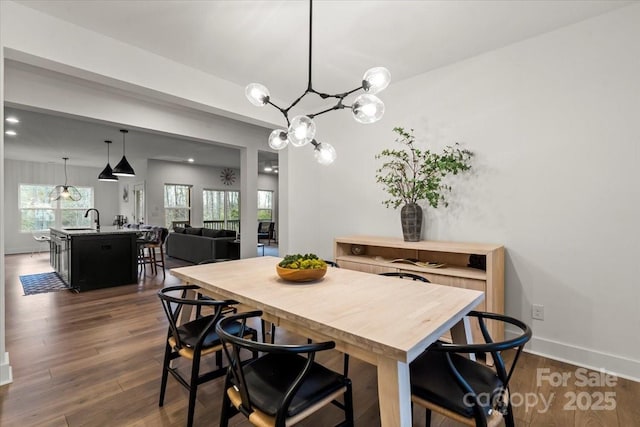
(411, 174)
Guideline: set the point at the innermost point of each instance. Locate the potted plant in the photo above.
(411, 175)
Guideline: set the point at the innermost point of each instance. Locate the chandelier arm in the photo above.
(337, 95)
(294, 103)
(338, 106)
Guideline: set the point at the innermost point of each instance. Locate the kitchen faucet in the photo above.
(97, 221)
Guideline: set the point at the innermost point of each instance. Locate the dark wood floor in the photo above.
(94, 359)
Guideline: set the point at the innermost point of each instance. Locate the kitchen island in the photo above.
(87, 259)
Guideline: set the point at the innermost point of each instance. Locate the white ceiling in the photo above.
(267, 42)
(45, 137)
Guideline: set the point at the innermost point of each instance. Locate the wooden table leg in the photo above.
(394, 393)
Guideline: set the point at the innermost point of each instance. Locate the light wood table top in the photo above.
(385, 321)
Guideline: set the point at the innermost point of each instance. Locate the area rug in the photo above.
(42, 283)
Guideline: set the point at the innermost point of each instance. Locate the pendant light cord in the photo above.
(65, 171)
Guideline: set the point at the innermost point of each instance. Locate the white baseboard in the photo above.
(6, 375)
(619, 366)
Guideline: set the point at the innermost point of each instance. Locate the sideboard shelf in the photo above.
(374, 255)
(455, 271)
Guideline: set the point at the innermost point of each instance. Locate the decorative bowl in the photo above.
(301, 275)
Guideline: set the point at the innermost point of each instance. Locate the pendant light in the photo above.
(301, 129)
(65, 192)
(123, 168)
(107, 173)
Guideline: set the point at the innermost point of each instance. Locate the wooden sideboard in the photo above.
(374, 255)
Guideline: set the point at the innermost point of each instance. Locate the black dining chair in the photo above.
(193, 339)
(281, 387)
(468, 391)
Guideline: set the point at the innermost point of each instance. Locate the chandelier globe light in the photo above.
(301, 130)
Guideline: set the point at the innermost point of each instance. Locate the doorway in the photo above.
(138, 203)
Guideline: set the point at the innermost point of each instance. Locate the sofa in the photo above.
(195, 244)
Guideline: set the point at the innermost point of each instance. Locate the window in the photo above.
(177, 203)
(72, 213)
(265, 205)
(37, 212)
(221, 209)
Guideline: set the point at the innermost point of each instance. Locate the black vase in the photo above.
(411, 218)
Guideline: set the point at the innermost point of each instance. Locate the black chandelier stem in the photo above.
(309, 87)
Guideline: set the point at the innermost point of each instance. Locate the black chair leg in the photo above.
(348, 405)
(345, 367)
(219, 358)
(164, 276)
(264, 333)
(254, 337)
(427, 417)
(165, 374)
(508, 417)
(193, 389)
(225, 410)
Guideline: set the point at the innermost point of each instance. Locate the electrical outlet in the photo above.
(537, 311)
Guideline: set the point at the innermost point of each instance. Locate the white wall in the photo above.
(199, 177)
(6, 375)
(18, 172)
(554, 124)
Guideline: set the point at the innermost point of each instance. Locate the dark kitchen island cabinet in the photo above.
(87, 259)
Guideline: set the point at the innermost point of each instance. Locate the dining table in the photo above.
(384, 321)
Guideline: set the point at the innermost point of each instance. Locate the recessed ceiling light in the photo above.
(190, 160)
(268, 168)
(11, 132)
(275, 171)
(12, 119)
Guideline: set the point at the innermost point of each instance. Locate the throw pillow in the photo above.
(208, 232)
(196, 231)
(180, 230)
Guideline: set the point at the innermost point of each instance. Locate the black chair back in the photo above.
(403, 275)
(234, 343)
(441, 365)
(173, 306)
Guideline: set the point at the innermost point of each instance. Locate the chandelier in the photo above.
(66, 191)
(301, 129)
